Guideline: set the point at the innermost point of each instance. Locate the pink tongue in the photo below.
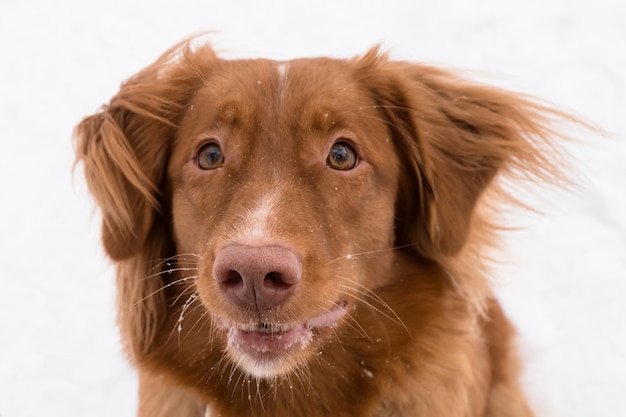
(298, 337)
(259, 343)
(328, 319)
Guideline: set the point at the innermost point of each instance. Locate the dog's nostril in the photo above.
(232, 279)
(275, 280)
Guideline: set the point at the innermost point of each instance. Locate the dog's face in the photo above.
(282, 175)
(259, 208)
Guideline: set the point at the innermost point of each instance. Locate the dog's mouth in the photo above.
(264, 349)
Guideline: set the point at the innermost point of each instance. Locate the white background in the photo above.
(563, 281)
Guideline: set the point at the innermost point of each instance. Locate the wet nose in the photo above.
(257, 278)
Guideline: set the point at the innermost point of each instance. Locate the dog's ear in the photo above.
(124, 146)
(454, 137)
(123, 183)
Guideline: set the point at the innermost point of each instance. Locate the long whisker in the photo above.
(218, 367)
(177, 258)
(179, 323)
(352, 256)
(299, 373)
(239, 379)
(202, 318)
(258, 393)
(353, 322)
(191, 288)
(178, 281)
(172, 270)
(361, 289)
(393, 316)
(233, 369)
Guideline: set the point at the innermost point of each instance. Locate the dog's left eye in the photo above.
(342, 157)
(210, 156)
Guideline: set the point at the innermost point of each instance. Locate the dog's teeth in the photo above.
(264, 327)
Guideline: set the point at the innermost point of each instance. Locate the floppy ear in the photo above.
(124, 150)
(455, 137)
(124, 147)
(123, 182)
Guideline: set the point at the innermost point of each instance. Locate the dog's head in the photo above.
(278, 190)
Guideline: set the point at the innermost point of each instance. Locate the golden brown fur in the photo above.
(399, 240)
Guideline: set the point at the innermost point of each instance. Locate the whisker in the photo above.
(233, 368)
(199, 320)
(178, 281)
(329, 365)
(394, 317)
(288, 378)
(258, 393)
(218, 367)
(239, 379)
(352, 256)
(176, 258)
(225, 362)
(193, 297)
(184, 292)
(171, 270)
(247, 379)
(354, 323)
(372, 295)
(301, 378)
(362, 289)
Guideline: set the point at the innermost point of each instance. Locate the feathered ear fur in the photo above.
(124, 150)
(455, 136)
(125, 145)
(458, 141)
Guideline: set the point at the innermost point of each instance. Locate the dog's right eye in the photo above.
(342, 157)
(210, 156)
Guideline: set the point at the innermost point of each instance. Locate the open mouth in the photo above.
(263, 342)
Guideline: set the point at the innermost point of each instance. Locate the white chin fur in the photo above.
(266, 368)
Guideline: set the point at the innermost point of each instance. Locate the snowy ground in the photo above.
(564, 282)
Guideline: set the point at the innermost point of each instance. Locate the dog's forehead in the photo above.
(321, 72)
(265, 97)
(291, 86)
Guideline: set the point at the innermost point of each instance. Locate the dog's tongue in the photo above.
(259, 343)
(264, 341)
(329, 318)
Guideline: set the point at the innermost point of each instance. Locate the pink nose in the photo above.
(257, 278)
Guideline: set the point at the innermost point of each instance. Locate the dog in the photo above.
(309, 237)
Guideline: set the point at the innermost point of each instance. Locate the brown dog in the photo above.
(305, 238)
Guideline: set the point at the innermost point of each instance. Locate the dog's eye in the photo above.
(341, 157)
(210, 156)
